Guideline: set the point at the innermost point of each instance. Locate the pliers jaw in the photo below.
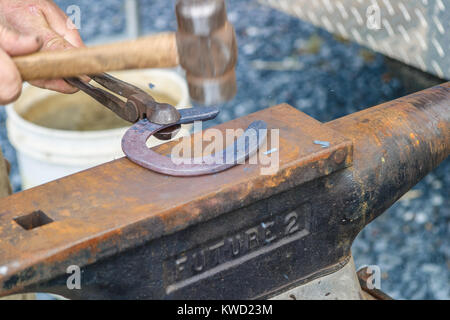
(159, 113)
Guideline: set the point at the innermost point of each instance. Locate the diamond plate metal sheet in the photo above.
(416, 32)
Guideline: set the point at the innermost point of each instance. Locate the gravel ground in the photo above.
(282, 59)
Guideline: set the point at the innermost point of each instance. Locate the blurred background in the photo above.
(285, 59)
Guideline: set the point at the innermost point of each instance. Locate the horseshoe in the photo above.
(135, 148)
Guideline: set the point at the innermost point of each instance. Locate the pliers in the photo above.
(163, 121)
(139, 105)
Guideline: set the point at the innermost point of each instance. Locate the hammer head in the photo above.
(207, 50)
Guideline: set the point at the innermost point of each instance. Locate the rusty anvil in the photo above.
(137, 234)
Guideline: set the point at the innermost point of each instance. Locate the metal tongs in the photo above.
(139, 104)
(163, 121)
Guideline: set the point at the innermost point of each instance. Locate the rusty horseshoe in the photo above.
(134, 146)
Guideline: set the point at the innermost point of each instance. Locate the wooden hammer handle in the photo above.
(156, 51)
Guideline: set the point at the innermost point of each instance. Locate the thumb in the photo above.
(16, 44)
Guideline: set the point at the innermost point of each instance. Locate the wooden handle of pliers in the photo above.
(155, 51)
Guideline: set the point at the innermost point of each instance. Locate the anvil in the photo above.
(237, 234)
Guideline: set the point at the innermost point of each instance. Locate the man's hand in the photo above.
(11, 44)
(27, 26)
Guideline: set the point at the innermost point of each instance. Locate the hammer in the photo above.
(204, 45)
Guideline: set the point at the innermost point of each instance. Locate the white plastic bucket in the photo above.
(46, 154)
